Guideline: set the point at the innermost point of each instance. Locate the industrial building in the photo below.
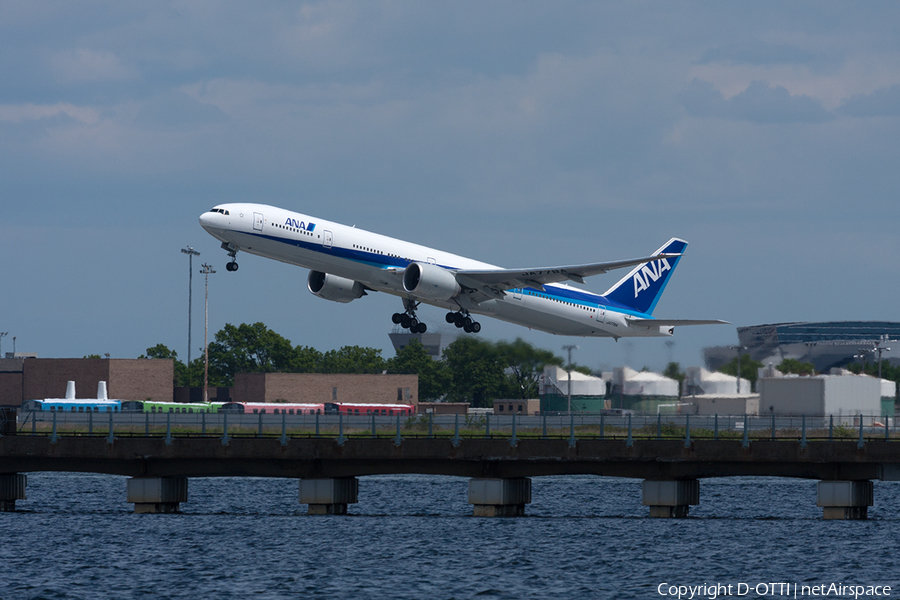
(708, 393)
(641, 391)
(517, 407)
(699, 381)
(845, 396)
(826, 344)
(152, 379)
(322, 387)
(588, 392)
(128, 379)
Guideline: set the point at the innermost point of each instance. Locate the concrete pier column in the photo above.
(845, 499)
(499, 497)
(157, 494)
(329, 496)
(670, 499)
(12, 488)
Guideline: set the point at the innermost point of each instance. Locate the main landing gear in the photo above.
(463, 320)
(232, 252)
(408, 319)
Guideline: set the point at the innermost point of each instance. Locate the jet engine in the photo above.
(334, 288)
(430, 281)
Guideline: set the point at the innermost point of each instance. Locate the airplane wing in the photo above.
(493, 282)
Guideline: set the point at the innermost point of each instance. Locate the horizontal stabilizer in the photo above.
(675, 322)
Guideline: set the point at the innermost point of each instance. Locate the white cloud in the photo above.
(759, 103)
(82, 65)
(33, 112)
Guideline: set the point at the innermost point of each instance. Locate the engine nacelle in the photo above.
(430, 281)
(334, 288)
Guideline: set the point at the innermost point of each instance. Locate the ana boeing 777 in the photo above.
(346, 263)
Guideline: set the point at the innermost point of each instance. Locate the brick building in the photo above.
(126, 379)
(319, 387)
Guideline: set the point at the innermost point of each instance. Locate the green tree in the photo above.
(193, 376)
(247, 349)
(749, 368)
(306, 359)
(476, 372)
(673, 371)
(792, 365)
(524, 364)
(353, 359)
(413, 359)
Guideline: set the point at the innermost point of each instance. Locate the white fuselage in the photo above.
(378, 262)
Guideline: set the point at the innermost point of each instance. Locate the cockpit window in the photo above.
(221, 211)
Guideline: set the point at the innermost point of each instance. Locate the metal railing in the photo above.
(627, 427)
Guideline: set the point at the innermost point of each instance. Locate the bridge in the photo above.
(499, 464)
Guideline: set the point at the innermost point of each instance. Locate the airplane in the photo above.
(347, 263)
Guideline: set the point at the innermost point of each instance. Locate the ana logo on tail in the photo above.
(651, 271)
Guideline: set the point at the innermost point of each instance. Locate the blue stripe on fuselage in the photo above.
(581, 298)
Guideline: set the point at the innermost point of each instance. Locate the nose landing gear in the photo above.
(232, 252)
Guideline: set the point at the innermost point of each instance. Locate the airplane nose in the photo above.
(206, 219)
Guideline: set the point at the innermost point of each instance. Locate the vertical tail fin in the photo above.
(641, 288)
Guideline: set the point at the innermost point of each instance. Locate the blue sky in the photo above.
(519, 133)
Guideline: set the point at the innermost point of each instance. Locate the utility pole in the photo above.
(879, 347)
(3, 334)
(569, 348)
(206, 270)
(738, 378)
(191, 254)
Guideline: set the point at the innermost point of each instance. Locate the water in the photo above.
(414, 537)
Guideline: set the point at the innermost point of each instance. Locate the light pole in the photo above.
(738, 378)
(2, 335)
(206, 270)
(569, 348)
(879, 347)
(191, 254)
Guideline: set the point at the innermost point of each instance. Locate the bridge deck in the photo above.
(325, 458)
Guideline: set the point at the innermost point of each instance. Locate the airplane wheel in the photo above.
(405, 321)
(232, 266)
(459, 323)
(396, 317)
(467, 328)
(476, 327)
(420, 328)
(450, 317)
(459, 319)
